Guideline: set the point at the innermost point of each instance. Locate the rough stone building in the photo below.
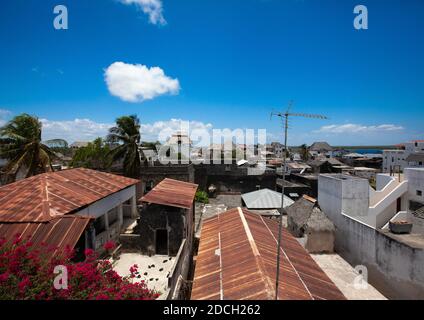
(293, 189)
(167, 218)
(233, 178)
(151, 175)
(308, 179)
(325, 165)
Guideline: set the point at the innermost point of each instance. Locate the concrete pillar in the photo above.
(120, 215)
(90, 237)
(134, 211)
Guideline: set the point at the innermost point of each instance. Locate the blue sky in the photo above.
(223, 64)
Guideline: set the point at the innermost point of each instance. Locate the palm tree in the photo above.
(20, 144)
(127, 134)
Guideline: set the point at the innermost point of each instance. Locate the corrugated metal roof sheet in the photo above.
(42, 197)
(237, 261)
(265, 199)
(59, 233)
(173, 193)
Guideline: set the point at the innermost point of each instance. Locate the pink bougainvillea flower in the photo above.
(110, 245)
(27, 272)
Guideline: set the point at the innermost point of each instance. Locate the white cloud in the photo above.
(74, 130)
(137, 83)
(200, 132)
(88, 130)
(4, 116)
(357, 128)
(153, 8)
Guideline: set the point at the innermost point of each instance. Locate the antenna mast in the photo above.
(285, 118)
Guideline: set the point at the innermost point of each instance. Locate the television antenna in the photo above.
(285, 119)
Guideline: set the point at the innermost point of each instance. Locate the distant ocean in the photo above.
(367, 151)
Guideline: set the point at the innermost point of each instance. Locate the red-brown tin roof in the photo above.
(59, 233)
(45, 196)
(173, 193)
(237, 261)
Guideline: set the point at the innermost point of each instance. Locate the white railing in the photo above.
(388, 197)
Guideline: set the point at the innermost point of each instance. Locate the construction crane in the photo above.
(285, 119)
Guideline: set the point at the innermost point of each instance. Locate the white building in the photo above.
(362, 217)
(108, 200)
(399, 159)
(179, 144)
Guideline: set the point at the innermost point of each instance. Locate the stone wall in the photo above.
(151, 175)
(231, 178)
(154, 217)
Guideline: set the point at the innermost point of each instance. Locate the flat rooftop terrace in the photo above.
(153, 270)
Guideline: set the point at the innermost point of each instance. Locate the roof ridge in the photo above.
(45, 198)
(42, 197)
(268, 283)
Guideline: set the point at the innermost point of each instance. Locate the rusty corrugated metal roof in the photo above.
(237, 261)
(42, 197)
(59, 233)
(173, 193)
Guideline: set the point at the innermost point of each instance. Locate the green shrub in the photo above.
(202, 196)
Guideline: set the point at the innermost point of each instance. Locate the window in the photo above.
(419, 193)
(393, 159)
(420, 163)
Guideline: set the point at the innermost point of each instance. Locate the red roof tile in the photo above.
(59, 233)
(237, 261)
(45, 196)
(173, 193)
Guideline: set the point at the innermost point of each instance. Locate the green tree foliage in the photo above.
(127, 134)
(202, 196)
(96, 155)
(21, 145)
